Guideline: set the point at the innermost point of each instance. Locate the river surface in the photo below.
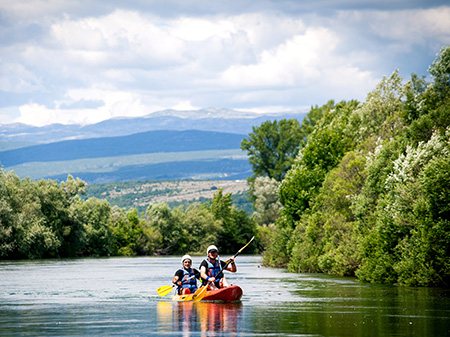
(117, 297)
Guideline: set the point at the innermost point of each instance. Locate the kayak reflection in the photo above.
(187, 317)
(219, 316)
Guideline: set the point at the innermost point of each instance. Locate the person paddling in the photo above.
(185, 278)
(210, 269)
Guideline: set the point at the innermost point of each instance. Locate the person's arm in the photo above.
(232, 266)
(204, 275)
(176, 279)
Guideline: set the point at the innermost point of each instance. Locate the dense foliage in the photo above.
(272, 147)
(43, 219)
(368, 194)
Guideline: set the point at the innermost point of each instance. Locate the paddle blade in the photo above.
(164, 290)
(200, 293)
(240, 250)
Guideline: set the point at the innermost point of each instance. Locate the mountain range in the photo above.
(169, 144)
(210, 119)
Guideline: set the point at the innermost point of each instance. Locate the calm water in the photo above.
(117, 296)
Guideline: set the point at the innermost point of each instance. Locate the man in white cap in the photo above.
(185, 278)
(211, 269)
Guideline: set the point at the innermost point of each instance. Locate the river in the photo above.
(117, 297)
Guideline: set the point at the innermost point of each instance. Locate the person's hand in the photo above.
(179, 283)
(211, 279)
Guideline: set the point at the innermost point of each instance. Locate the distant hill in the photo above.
(222, 169)
(168, 144)
(140, 143)
(210, 119)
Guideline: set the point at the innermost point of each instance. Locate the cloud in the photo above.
(120, 38)
(92, 105)
(15, 78)
(294, 62)
(63, 61)
(414, 27)
(107, 104)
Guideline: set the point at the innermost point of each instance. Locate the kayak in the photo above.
(229, 294)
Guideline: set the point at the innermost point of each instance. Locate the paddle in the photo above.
(165, 290)
(200, 293)
(227, 262)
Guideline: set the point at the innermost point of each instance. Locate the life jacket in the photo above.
(214, 269)
(191, 283)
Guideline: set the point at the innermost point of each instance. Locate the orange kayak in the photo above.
(229, 294)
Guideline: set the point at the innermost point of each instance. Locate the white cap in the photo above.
(186, 257)
(212, 247)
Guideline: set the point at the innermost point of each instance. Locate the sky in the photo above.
(84, 61)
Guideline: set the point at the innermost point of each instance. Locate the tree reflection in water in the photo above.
(188, 317)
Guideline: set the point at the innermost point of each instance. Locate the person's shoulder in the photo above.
(204, 263)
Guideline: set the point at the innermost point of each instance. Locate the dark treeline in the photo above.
(368, 193)
(47, 219)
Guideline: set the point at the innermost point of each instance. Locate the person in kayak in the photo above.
(185, 278)
(210, 269)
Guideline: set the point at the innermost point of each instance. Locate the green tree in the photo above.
(202, 228)
(8, 243)
(325, 240)
(170, 224)
(131, 234)
(94, 215)
(440, 70)
(237, 226)
(409, 240)
(326, 146)
(272, 147)
(267, 204)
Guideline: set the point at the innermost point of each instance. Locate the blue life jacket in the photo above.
(214, 269)
(191, 284)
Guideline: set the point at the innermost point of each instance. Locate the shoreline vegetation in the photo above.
(357, 189)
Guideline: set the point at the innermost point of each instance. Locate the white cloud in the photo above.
(115, 104)
(120, 38)
(184, 105)
(136, 60)
(295, 62)
(197, 29)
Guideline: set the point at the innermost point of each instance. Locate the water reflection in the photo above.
(106, 297)
(206, 317)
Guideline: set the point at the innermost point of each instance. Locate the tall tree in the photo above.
(272, 147)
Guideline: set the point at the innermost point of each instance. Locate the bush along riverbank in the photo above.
(368, 194)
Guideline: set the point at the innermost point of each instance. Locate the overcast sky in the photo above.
(80, 61)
